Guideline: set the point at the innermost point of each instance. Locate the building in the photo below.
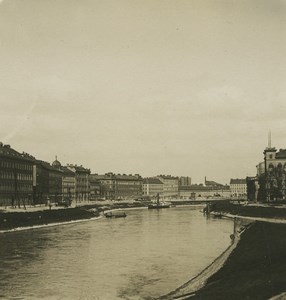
(117, 186)
(271, 175)
(40, 182)
(16, 177)
(152, 187)
(127, 186)
(102, 186)
(68, 184)
(47, 182)
(252, 188)
(211, 183)
(238, 188)
(55, 184)
(210, 189)
(96, 183)
(185, 181)
(82, 187)
(170, 185)
(200, 191)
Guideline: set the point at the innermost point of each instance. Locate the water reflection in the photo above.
(142, 256)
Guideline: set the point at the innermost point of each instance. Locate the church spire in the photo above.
(269, 139)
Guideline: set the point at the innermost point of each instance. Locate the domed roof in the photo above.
(56, 164)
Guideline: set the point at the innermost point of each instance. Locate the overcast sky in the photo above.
(181, 87)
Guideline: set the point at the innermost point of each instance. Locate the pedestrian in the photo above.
(49, 204)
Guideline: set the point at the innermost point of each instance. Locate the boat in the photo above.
(158, 204)
(216, 215)
(115, 214)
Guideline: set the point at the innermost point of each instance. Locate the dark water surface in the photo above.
(143, 256)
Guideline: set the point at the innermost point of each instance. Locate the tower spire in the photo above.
(269, 139)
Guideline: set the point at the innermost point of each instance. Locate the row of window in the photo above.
(71, 184)
(14, 165)
(155, 188)
(130, 193)
(11, 187)
(128, 183)
(65, 190)
(11, 175)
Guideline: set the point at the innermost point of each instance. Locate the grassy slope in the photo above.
(251, 211)
(10, 220)
(255, 270)
(22, 219)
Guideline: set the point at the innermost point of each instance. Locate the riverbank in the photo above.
(35, 216)
(253, 267)
(256, 268)
(41, 216)
(189, 288)
(254, 210)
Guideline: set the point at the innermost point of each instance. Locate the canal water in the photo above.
(143, 256)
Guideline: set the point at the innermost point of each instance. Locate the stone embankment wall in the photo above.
(196, 283)
(256, 268)
(26, 219)
(12, 220)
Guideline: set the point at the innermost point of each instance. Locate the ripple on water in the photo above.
(143, 256)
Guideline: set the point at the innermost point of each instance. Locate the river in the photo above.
(145, 255)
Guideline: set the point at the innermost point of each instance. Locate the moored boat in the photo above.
(159, 204)
(156, 206)
(115, 214)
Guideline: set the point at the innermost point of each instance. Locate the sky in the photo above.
(185, 87)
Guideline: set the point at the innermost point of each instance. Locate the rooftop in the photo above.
(281, 153)
(237, 181)
(111, 176)
(200, 187)
(77, 168)
(151, 180)
(6, 150)
(168, 177)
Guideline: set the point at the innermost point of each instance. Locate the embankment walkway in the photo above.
(189, 289)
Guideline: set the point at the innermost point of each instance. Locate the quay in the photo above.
(253, 266)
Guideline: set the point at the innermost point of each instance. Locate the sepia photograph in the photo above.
(142, 149)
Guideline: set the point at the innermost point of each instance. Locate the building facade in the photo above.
(170, 185)
(47, 183)
(152, 187)
(185, 181)
(127, 186)
(271, 174)
(117, 186)
(82, 187)
(210, 189)
(238, 188)
(16, 177)
(199, 191)
(252, 188)
(102, 186)
(68, 181)
(96, 182)
(40, 182)
(68, 184)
